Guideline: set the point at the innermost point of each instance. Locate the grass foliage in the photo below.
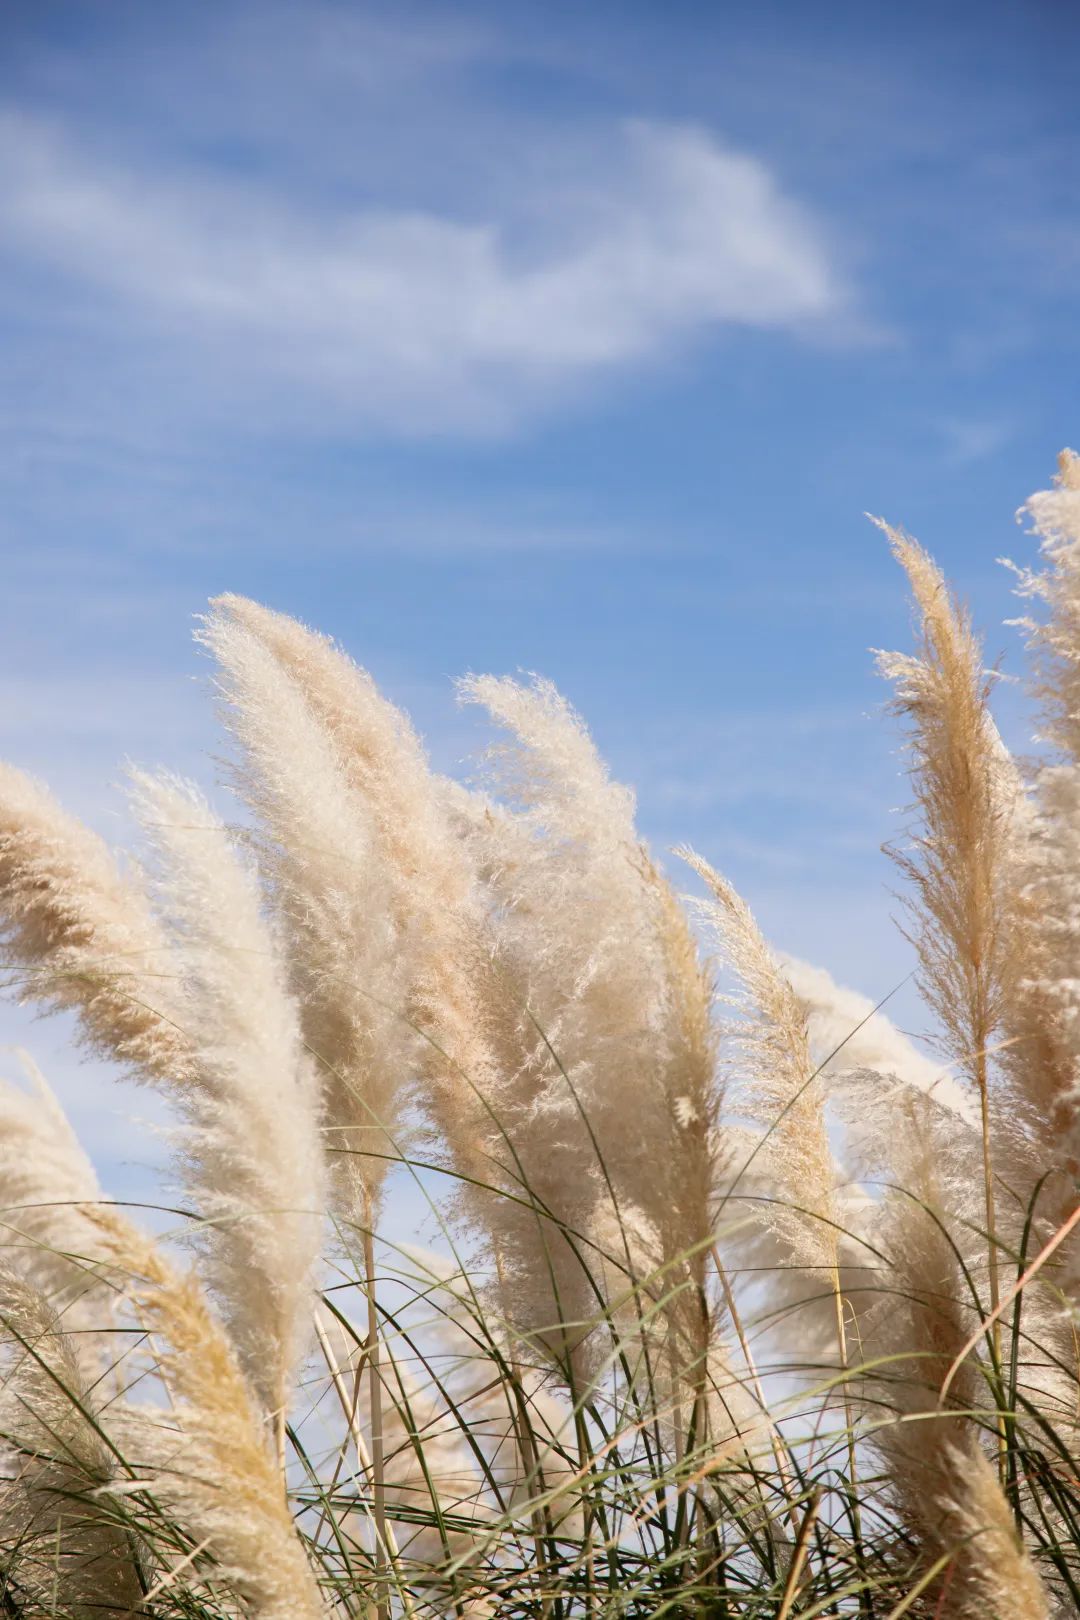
(732, 1301)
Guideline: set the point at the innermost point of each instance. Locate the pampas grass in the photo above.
(252, 1151)
(65, 1543)
(47, 1184)
(966, 933)
(655, 1146)
(347, 956)
(429, 880)
(80, 934)
(782, 1093)
(227, 1489)
(1043, 1014)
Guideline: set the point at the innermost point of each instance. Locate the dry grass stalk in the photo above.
(960, 860)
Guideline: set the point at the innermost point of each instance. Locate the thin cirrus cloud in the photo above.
(413, 320)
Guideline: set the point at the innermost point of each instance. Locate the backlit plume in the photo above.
(736, 1299)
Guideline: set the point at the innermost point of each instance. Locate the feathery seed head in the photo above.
(253, 1143)
(229, 1491)
(58, 1528)
(780, 1088)
(79, 933)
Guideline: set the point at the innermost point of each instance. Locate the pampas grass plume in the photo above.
(424, 867)
(253, 1145)
(47, 1184)
(500, 987)
(81, 934)
(229, 1491)
(61, 1532)
(348, 959)
(782, 1092)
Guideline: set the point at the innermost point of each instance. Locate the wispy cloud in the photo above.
(973, 439)
(416, 320)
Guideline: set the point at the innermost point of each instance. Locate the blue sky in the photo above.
(558, 337)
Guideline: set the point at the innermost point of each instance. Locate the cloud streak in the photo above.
(415, 321)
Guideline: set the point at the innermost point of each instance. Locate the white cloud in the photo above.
(969, 440)
(411, 319)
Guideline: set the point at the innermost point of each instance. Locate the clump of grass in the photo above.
(742, 1306)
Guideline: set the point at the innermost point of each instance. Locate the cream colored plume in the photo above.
(350, 957)
(380, 752)
(1041, 1052)
(57, 1359)
(993, 1574)
(47, 1184)
(1054, 641)
(61, 1530)
(80, 934)
(780, 1089)
(253, 1152)
(960, 854)
(226, 1490)
(609, 1062)
(1041, 1057)
(565, 914)
(940, 1483)
(679, 1200)
(424, 868)
(879, 1084)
